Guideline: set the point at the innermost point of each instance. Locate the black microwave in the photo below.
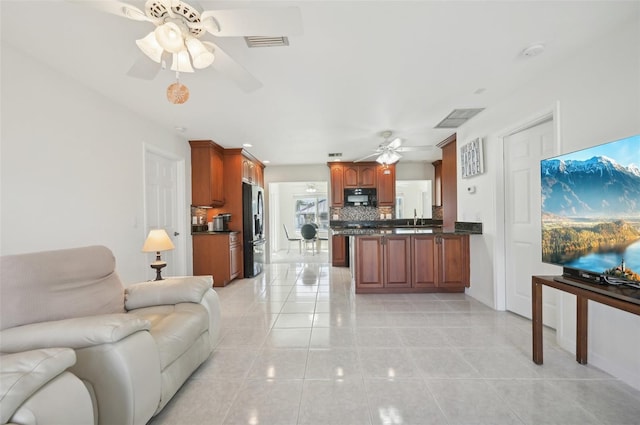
(360, 197)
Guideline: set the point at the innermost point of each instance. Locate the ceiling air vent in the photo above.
(457, 117)
(256, 41)
(335, 154)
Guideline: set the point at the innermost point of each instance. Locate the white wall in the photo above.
(596, 98)
(72, 167)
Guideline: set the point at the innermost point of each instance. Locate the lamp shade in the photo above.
(200, 55)
(181, 62)
(169, 37)
(157, 241)
(150, 47)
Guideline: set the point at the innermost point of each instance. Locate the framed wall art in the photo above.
(471, 158)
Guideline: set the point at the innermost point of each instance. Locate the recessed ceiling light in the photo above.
(266, 161)
(247, 145)
(180, 129)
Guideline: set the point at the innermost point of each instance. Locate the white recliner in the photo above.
(134, 347)
(36, 389)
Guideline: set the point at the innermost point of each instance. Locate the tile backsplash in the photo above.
(362, 213)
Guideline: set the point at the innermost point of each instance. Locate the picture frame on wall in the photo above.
(472, 158)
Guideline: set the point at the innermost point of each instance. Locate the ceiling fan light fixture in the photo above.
(201, 56)
(150, 47)
(181, 62)
(209, 23)
(388, 157)
(169, 37)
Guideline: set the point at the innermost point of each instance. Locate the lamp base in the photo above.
(158, 265)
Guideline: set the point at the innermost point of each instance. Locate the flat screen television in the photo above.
(591, 212)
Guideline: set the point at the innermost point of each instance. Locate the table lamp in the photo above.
(157, 241)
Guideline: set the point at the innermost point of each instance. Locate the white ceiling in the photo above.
(359, 68)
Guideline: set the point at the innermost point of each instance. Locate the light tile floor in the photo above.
(299, 347)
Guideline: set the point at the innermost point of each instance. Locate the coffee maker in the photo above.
(221, 222)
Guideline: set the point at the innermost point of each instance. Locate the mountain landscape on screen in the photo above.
(591, 188)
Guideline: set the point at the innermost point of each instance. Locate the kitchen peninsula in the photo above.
(397, 256)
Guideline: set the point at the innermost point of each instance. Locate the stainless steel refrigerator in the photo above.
(253, 218)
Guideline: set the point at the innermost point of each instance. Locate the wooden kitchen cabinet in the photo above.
(440, 262)
(219, 255)
(207, 173)
(369, 269)
(424, 261)
(248, 171)
(371, 175)
(387, 186)
(252, 170)
(383, 263)
(453, 261)
(397, 261)
(340, 251)
(360, 175)
(449, 182)
(412, 263)
(337, 184)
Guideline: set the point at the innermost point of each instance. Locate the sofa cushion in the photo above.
(56, 285)
(175, 328)
(172, 290)
(74, 333)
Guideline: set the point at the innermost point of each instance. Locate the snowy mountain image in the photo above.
(596, 187)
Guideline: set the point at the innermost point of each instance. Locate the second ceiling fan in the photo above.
(388, 152)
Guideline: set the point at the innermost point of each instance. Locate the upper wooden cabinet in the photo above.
(360, 175)
(387, 186)
(372, 175)
(207, 173)
(337, 184)
(252, 172)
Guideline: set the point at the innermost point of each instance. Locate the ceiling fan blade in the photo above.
(366, 157)
(254, 22)
(414, 148)
(115, 7)
(231, 69)
(395, 143)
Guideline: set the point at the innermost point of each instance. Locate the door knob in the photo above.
(176, 234)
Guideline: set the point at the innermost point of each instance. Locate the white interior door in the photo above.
(164, 196)
(523, 152)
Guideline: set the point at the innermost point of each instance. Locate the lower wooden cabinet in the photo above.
(340, 251)
(412, 263)
(219, 255)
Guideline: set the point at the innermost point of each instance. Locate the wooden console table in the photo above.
(620, 297)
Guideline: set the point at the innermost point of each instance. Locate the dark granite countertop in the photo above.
(223, 232)
(400, 227)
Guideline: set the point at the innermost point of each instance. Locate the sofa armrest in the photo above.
(22, 374)
(74, 333)
(168, 291)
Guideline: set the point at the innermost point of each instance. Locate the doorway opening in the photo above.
(292, 205)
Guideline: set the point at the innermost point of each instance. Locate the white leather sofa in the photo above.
(36, 389)
(134, 346)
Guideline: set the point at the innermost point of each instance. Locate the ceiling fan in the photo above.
(388, 152)
(180, 26)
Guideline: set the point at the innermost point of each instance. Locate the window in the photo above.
(312, 209)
